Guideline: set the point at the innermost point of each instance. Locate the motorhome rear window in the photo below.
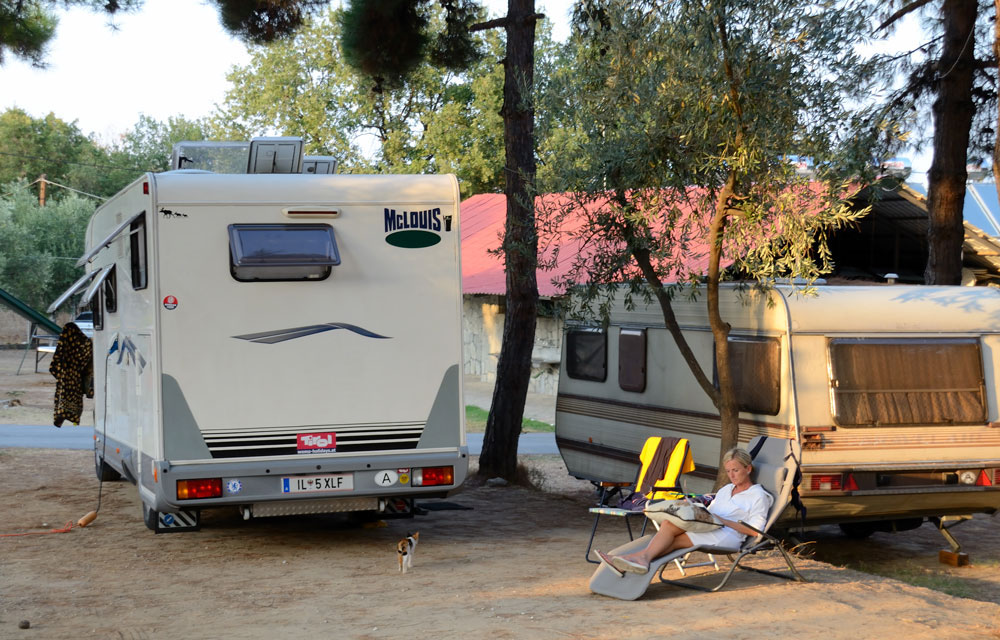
(632, 360)
(282, 251)
(755, 362)
(587, 354)
(907, 382)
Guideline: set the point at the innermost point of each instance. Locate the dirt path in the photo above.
(512, 567)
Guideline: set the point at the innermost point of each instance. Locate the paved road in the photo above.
(48, 437)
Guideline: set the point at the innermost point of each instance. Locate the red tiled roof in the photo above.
(483, 217)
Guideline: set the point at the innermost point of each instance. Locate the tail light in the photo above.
(826, 482)
(433, 476)
(850, 484)
(200, 488)
(984, 478)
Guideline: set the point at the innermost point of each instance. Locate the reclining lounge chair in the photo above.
(775, 464)
(662, 461)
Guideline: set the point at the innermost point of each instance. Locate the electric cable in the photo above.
(99, 465)
(79, 164)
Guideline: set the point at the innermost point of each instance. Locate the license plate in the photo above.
(318, 484)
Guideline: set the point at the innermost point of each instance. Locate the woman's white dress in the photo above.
(750, 506)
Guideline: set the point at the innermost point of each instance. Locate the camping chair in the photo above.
(775, 463)
(662, 461)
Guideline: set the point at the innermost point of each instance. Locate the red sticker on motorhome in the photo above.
(170, 303)
(317, 442)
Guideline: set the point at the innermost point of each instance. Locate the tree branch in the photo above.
(502, 22)
(910, 8)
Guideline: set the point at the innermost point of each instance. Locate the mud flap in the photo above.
(172, 522)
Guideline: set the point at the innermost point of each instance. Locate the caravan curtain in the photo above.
(885, 383)
(755, 363)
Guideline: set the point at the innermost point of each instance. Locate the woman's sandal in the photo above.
(608, 560)
(624, 564)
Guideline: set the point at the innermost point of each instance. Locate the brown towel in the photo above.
(73, 368)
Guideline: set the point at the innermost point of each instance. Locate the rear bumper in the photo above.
(892, 504)
(258, 481)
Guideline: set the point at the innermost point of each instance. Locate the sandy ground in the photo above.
(26, 398)
(510, 567)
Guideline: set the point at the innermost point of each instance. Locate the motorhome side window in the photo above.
(755, 363)
(110, 287)
(96, 311)
(282, 251)
(632, 360)
(907, 382)
(587, 354)
(137, 252)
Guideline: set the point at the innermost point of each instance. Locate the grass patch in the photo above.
(920, 577)
(475, 422)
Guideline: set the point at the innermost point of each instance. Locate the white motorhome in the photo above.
(890, 390)
(279, 343)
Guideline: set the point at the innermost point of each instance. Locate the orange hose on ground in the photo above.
(66, 529)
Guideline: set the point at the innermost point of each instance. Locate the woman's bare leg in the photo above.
(667, 539)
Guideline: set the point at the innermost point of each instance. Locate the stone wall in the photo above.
(13, 328)
(482, 333)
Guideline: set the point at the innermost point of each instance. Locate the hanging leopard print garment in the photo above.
(73, 367)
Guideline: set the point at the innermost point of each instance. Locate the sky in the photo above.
(168, 59)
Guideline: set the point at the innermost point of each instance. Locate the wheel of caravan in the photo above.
(104, 471)
(150, 517)
(857, 530)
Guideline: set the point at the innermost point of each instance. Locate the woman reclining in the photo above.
(739, 500)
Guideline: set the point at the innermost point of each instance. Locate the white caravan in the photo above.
(890, 390)
(284, 344)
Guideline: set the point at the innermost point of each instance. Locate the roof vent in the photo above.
(319, 164)
(275, 155)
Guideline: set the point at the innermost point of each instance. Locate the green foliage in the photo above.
(27, 26)
(145, 147)
(25, 29)
(263, 21)
(33, 146)
(454, 48)
(688, 113)
(435, 122)
(398, 28)
(30, 147)
(40, 244)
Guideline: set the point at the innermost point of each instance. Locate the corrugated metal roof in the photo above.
(483, 220)
(484, 215)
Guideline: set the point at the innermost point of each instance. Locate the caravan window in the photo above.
(632, 360)
(137, 252)
(587, 354)
(890, 383)
(282, 251)
(756, 366)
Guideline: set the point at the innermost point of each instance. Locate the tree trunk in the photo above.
(520, 244)
(729, 416)
(996, 56)
(953, 110)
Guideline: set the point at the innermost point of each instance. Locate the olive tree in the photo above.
(693, 110)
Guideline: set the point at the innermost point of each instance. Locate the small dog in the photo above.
(405, 549)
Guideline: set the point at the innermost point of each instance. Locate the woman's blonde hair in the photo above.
(740, 455)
